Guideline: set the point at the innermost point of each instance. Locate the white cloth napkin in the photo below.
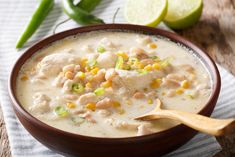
(14, 14)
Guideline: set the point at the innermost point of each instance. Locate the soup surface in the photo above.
(95, 83)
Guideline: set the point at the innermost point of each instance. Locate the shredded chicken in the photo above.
(41, 103)
(52, 64)
(107, 60)
(121, 124)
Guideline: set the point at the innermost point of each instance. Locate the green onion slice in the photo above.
(61, 111)
(119, 63)
(190, 96)
(100, 49)
(165, 62)
(126, 67)
(99, 91)
(77, 87)
(142, 71)
(154, 57)
(78, 120)
(132, 59)
(92, 62)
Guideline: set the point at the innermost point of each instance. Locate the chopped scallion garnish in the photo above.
(190, 96)
(100, 49)
(142, 71)
(165, 62)
(119, 63)
(99, 91)
(92, 62)
(77, 87)
(78, 120)
(61, 111)
(132, 59)
(154, 57)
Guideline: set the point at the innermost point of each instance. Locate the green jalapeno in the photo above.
(88, 5)
(80, 15)
(44, 7)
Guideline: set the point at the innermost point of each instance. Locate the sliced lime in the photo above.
(145, 12)
(183, 13)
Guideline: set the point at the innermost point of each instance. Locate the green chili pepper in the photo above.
(80, 15)
(39, 15)
(88, 5)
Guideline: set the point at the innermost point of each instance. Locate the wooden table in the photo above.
(216, 34)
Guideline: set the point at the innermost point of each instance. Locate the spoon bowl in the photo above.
(216, 127)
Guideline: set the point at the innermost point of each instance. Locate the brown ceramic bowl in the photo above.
(70, 144)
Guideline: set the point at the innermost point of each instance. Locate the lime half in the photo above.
(145, 12)
(183, 13)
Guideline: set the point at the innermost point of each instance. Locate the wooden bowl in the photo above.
(70, 144)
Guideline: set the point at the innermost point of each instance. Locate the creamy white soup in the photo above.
(96, 83)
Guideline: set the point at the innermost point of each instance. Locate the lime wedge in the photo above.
(145, 12)
(183, 13)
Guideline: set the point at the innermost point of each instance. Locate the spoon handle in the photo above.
(198, 122)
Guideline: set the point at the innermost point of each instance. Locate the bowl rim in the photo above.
(211, 68)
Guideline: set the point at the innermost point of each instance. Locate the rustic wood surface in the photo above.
(215, 32)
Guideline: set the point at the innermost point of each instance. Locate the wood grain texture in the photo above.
(215, 33)
(4, 144)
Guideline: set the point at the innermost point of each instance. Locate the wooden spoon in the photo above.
(216, 127)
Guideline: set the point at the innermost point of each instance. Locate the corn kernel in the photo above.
(94, 71)
(87, 68)
(150, 101)
(139, 65)
(163, 93)
(152, 45)
(129, 102)
(24, 78)
(116, 104)
(106, 84)
(69, 75)
(148, 68)
(121, 111)
(179, 91)
(71, 105)
(123, 55)
(80, 75)
(84, 62)
(159, 80)
(185, 84)
(88, 85)
(91, 106)
(155, 83)
(156, 66)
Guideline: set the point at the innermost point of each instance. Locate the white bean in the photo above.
(87, 98)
